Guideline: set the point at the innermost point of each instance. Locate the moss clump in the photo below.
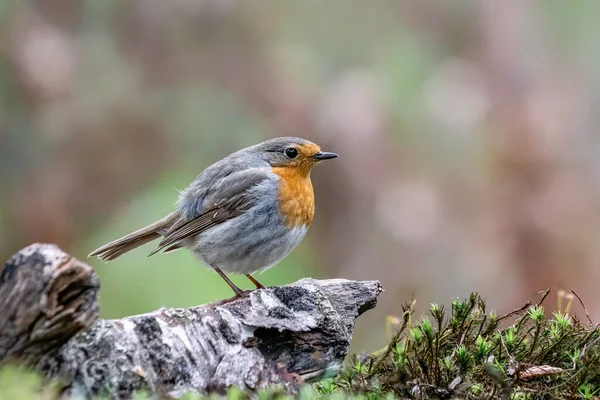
(470, 352)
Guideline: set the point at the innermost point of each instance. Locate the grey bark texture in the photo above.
(46, 297)
(286, 334)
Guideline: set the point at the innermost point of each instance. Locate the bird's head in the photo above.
(292, 152)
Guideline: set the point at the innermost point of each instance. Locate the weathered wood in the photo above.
(46, 297)
(284, 334)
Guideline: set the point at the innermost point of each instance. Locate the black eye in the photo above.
(290, 152)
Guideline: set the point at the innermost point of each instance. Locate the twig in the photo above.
(539, 303)
(516, 311)
(546, 293)
(587, 315)
(512, 359)
(592, 343)
(388, 350)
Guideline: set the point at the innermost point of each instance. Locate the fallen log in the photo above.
(286, 334)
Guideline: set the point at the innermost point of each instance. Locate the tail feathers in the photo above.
(129, 242)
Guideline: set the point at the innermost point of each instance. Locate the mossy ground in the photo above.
(464, 352)
(470, 352)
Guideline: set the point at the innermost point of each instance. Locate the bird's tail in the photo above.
(129, 242)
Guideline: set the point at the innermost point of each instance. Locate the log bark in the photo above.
(46, 297)
(286, 334)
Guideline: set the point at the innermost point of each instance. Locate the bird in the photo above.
(242, 214)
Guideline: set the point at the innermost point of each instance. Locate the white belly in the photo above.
(247, 253)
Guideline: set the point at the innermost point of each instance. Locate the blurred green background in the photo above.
(467, 132)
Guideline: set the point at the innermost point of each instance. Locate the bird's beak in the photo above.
(324, 155)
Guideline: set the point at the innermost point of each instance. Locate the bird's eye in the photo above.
(290, 152)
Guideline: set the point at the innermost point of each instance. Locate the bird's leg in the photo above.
(256, 283)
(238, 292)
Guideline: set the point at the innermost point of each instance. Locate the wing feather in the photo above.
(229, 205)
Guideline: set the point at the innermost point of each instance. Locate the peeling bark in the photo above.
(285, 334)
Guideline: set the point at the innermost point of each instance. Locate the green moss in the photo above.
(18, 383)
(472, 353)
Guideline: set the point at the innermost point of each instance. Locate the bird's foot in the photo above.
(238, 295)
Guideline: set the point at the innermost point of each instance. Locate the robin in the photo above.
(242, 214)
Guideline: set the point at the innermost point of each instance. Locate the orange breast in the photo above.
(296, 196)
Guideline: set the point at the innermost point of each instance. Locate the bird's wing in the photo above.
(228, 198)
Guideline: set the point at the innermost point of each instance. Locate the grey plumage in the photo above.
(228, 216)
